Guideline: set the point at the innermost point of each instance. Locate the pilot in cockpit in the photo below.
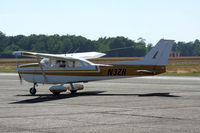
(60, 63)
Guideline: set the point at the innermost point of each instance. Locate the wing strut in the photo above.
(43, 72)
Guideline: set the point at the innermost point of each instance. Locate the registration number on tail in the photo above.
(117, 72)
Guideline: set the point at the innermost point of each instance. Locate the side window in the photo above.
(67, 64)
(78, 64)
(57, 63)
(73, 64)
(60, 63)
(85, 64)
(63, 64)
(53, 63)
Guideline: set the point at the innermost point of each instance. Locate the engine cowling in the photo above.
(58, 88)
(76, 87)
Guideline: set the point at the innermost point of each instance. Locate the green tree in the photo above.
(113, 46)
(197, 48)
(149, 47)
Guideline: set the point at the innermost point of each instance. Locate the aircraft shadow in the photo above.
(49, 97)
(142, 95)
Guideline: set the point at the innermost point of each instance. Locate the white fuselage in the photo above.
(34, 74)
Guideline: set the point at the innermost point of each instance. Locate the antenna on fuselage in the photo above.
(69, 50)
(117, 49)
(76, 50)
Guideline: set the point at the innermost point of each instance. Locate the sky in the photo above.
(150, 19)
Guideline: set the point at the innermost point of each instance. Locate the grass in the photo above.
(184, 64)
(181, 74)
(9, 64)
(7, 70)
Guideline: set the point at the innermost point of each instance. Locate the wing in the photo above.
(87, 55)
(75, 56)
(84, 55)
(54, 56)
(42, 55)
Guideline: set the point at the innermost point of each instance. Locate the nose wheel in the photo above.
(33, 90)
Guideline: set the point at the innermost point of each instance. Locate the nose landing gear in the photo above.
(33, 90)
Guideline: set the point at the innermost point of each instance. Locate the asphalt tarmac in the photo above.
(148, 104)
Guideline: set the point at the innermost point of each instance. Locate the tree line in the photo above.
(112, 46)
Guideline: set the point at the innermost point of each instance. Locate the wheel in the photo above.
(56, 93)
(73, 91)
(32, 91)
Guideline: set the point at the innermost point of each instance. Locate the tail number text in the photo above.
(117, 72)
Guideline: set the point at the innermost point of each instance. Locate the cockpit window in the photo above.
(58, 63)
(61, 63)
(45, 61)
(66, 64)
(85, 64)
(78, 64)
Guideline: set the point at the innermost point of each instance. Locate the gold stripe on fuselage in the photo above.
(30, 65)
(114, 70)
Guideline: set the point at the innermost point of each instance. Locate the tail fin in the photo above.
(157, 55)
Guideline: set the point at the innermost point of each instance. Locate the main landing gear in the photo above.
(57, 89)
(72, 90)
(33, 90)
(56, 93)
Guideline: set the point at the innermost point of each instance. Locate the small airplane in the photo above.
(74, 68)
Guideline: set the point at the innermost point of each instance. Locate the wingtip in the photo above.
(17, 53)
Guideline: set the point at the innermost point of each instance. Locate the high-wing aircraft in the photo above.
(74, 68)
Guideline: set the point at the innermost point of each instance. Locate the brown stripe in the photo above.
(31, 65)
(96, 68)
(117, 70)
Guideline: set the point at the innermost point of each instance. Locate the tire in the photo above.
(56, 93)
(73, 91)
(33, 91)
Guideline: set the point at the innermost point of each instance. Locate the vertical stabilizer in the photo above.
(157, 55)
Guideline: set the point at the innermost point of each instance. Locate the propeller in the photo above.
(20, 78)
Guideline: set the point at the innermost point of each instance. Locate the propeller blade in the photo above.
(20, 78)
